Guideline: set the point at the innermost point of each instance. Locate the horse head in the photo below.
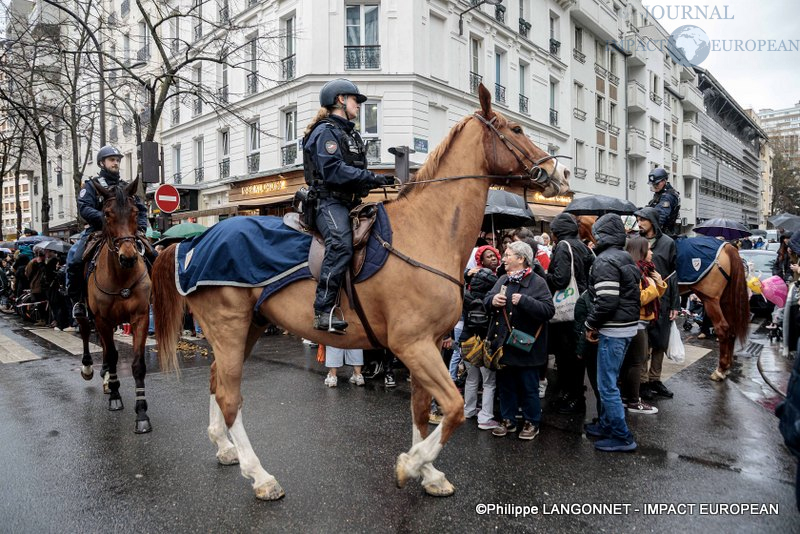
(509, 151)
(119, 221)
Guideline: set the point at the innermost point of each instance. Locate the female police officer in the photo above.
(335, 166)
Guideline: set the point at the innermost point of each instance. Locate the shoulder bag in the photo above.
(565, 299)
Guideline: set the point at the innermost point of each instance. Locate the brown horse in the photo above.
(435, 220)
(723, 288)
(119, 292)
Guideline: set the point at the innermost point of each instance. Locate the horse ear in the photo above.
(100, 189)
(486, 100)
(130, 190)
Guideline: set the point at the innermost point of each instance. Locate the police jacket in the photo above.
(668, 203)
(335, 159)
(565, 228)
(90, 203)
(613, 279)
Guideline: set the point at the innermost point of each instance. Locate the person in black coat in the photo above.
(788, 412)
(527, 303)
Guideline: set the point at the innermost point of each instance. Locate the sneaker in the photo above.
(504, 428)
(646, 392)
(615, 445)
(357, 380)
(529, 431)
(542, 388)
(70, 329)
(388, 380)
(491, 424)
(594, 430)
(57, 329)
(331, 381)
(309, 342)
(79, 310)
(659, 388)
(641, 407)
(701, 335)
(435, 418)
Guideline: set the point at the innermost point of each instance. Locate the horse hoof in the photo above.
(228, 457)
(114, 405)
(142, 427)
(718, 376)
(401, 470)
(440, 488)
(87, 372)
(270, 491)
(106, 389)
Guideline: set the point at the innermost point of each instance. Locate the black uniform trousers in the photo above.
(333, 222)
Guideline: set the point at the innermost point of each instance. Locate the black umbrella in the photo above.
(506, 210)
(600, 205)
(776, 220)
(790, 225)
(32, 240)
(724, 228)
(56, 246)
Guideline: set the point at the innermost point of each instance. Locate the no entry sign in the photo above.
(167, 198)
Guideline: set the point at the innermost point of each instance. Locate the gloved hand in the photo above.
(389, 179)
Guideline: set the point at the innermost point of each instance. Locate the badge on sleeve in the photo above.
(331, 147)
(665, 204)
(82, 193)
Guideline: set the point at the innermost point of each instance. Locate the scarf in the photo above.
(648, 268)
(517, 276)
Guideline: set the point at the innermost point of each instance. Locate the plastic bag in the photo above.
(675, 350)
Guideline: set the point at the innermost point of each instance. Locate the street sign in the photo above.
(167, 198)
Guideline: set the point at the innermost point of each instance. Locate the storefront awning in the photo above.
(221, 210)
(264, 201)
(544, 212)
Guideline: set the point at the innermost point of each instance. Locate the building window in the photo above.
(579, 96)
(59, 171)
(144, 40)
(176, 164)
(224, 154)
(578, 163)
(289, 149)
(222, 90)
(555, 36)
(253, 146)
(175, 32)
(197, 11)
(362, 49)
(288, 61)
(600, 108)
(251, 52)
(523, 79)
(601, 161)
(199, 167)
(367, 125)
(197, 78)
(600, 53)
(499, 67)
(553, 103)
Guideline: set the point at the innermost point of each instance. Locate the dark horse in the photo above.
(435, 221)
(119, 292)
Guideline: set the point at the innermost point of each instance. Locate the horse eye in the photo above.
(517, 129)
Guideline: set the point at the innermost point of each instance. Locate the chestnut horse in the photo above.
(119, 292)
(435, 221)
(718, 292)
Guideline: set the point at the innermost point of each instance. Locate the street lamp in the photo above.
(461, 15)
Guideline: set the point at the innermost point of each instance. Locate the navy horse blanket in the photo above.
(260, 252)
(696, 256)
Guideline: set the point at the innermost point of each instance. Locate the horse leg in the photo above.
(139, 369)
(429, 380)
(87, 371)
(110, 357)
(722, 330)
(217, 431)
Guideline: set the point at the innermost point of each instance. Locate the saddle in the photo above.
(92, 245)
(362, 219)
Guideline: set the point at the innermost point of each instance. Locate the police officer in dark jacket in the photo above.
(666, 200)
(90, 206)
(335, 161)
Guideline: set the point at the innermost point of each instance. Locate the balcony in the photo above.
(500, 93)
(223, 15)
(500, 13)
(579, 114)
(475, 80)
(251, 3)
(222, 94)
(225, 168)
(637, 143)
(253, 162)
(373, 146)
(613, 78)
(524, 27)
(251, 83)
(691, 134)
(198, 32)
(125, 8)
(692, 98)
(287, 68)
(523, 104)
(198, 107)
(637, 97)
(600, 123)
(656, 98)
(176, 115)
(612, 180)
(598, 17)
(176, 178)
(143, 54)
(691, 168)
(198, 175)
(658, 144)
(579, 172)
(289, 154)
(579, 56)
(553, 117)
(127, 127)
(635, 45)
(555, 47)
(362, 57)
(613, 130)
(601, 177)
(600, 70)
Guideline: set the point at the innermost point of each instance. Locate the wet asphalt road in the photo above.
(67, 464)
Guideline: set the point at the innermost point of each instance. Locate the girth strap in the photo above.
(355, 303)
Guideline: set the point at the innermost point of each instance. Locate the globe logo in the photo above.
(692, 43)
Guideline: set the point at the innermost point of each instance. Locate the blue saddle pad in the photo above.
(260, 252)
(696, 256)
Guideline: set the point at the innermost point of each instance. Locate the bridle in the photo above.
(114, 243)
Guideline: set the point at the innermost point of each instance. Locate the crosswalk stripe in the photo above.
(74, 345)
(13, 352)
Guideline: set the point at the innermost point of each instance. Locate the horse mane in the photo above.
(428, 170)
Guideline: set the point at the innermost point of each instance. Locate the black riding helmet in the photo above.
(657, 175)
(339, 86)
(107, 152)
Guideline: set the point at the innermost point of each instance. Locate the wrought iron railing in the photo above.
(656, 98)
(600, 70)
(500, 93)
(613, 78)
(222, 94)
(600, 123)
(225, 168)
(523, 104)
(289, 155)
(223, 15)
(198, 175)
(578, 55)
(475, 80)
(579, 114)
(601, 177)
(287, 68)
(500, 13)
(555, 47)
(373, 146)
(524, 27)
(176, 115)
(253, 162)
(579, 172)
(176, 178)
(143, 53)
(656, 143)
(553, 117)
(362, 57)
(613, 130)
(198, 106)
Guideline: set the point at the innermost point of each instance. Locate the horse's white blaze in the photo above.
(561, 176)
(216, 428)
(248, 461)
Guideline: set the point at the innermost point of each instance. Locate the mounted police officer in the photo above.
(90, 206)
(666, 200)
(335, 161)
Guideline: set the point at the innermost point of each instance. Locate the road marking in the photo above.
(693, 353)
(73, 343)
(13, 352)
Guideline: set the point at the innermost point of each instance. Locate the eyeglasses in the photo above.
(510, 255)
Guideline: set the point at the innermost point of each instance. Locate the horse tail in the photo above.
(734, 300)
(168, 307)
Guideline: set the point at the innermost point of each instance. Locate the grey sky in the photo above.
(755, 79)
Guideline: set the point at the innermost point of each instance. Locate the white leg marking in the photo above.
(217, 433)
(248, 461)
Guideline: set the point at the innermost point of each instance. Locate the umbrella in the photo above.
(152, 234)
(761, 233)
(6, 250)
(56, 246)
(185, 230)
(32, 240)
(75, 237)
(8, 244)
(790, 225)
(600, 205)
(724, 228)
(776, 220)
(506, 210)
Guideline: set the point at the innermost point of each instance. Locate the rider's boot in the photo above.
(328, 322)
(75, 290)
